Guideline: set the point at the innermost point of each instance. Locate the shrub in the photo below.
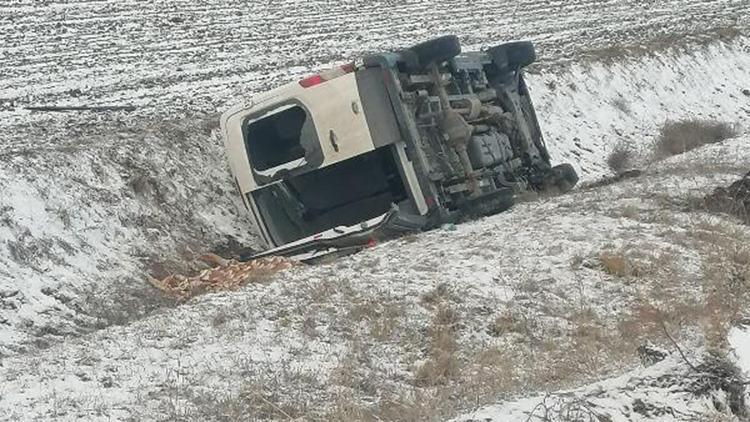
(620, 159)
(438, 369)
(616, 265)
(677, 137)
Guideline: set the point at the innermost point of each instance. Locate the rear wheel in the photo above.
(490, 204)
(560, 179)
(513, 55)
(434, 51)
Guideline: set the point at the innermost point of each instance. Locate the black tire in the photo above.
(490, 204)
(434, 51)
(560, 179)
(513, 55)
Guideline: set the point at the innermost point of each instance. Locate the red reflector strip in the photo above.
(328, 75)
(311, 81)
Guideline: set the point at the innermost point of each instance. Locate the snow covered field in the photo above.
(525, 309)
(91, 203)
(167, 55)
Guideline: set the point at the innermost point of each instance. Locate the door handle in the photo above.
(334, 140)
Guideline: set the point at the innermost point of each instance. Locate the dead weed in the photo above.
(677, 137)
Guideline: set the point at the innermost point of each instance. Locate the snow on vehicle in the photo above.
(398, 141)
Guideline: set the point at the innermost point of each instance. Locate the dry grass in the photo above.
(452, 375)
(513, 322)
(614, 264)
(636, 261)
(677, 137)
(383, 317)
(259, 397)
(620, 159)
(417, 405)
(505, 323)
(442, 364)
(440, 294)
(592, 349)
(726, 283)
(534, 346)
(720, 297)
(648, 321)
(439, 369)
(490, 374)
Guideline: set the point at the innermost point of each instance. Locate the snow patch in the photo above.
(739, 340)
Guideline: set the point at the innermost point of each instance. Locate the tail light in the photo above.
(311, 81)
(328, 75)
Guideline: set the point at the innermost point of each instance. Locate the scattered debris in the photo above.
(651, 355)
(719, 374)
(605, 181)
(227, 275)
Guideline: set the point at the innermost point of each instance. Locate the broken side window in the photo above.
(277, 139)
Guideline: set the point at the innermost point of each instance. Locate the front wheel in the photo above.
(514, 54)
(434, 51)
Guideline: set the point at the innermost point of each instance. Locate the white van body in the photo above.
(396, 141)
